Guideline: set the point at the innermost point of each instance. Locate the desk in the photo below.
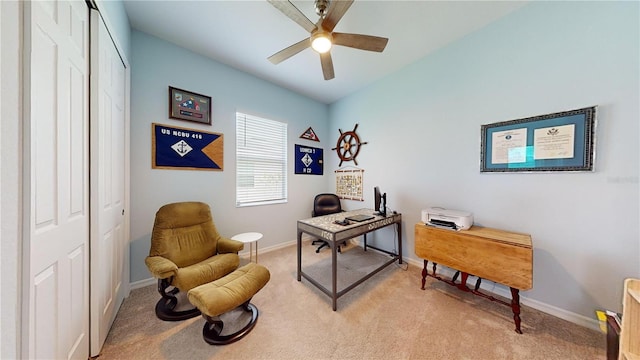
(323, 227)
(497, 255)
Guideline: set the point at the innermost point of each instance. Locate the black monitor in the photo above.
(380, 202)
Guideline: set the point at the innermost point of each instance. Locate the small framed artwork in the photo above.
(562, 141)
(309, 134)
(189, 106)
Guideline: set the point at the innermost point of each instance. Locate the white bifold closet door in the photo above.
(56, 185)
(108, 151)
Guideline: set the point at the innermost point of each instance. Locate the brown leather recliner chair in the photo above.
(187, 251)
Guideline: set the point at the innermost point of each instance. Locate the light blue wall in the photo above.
(157, 64)
(422, 125)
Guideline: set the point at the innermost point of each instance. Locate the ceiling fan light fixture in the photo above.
(321, 42)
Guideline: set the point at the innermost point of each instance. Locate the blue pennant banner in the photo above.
(186, 149)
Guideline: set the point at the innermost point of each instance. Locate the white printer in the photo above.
(450, 219)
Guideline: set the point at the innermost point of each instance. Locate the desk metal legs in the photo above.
(299, 255)
(334, 274)
(399, 229)
(333, 291)
(399, 254)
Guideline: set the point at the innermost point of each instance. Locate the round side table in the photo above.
(249, 237)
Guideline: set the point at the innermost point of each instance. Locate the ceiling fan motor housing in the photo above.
(321, 7)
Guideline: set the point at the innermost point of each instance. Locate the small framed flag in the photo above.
(309, 160)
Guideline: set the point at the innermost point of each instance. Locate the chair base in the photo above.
(211, 332)
(166, 305)
(164, 311)
(325, 244)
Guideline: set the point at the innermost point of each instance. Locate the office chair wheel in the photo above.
(348, 145)
(324, 243)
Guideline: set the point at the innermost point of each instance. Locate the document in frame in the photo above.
(509, 146)
(555, 142)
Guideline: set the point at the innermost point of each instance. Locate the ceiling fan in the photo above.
(322, 35)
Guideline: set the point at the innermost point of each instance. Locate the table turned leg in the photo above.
(463, 282)
(455, 276)
(515, 307)
(424, 274)
(478, 284)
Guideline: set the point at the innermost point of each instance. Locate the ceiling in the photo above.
(243, 34)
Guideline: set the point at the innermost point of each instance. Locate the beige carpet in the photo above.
(386, 317)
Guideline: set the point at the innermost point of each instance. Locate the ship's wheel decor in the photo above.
(348, 145)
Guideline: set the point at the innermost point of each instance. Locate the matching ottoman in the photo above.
(225, 294)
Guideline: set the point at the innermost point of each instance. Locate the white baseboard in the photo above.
(487, 286)
(142, 283)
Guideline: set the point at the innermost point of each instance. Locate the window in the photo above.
(261, 161)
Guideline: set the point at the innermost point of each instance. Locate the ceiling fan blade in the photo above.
(286, 53)
(362, 42)
(327, 66)
(292, 12)
(336, 11)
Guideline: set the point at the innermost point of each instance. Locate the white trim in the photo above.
(11, 23)
(142, 283)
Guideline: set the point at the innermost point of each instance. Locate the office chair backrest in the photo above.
(324, 204)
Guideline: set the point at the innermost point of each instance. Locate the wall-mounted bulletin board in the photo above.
(563, 141)
(349, 184)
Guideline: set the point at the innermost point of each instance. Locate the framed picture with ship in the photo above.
(189, 106)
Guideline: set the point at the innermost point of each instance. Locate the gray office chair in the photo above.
(325, 204)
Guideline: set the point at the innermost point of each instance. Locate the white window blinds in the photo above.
(261, 161)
